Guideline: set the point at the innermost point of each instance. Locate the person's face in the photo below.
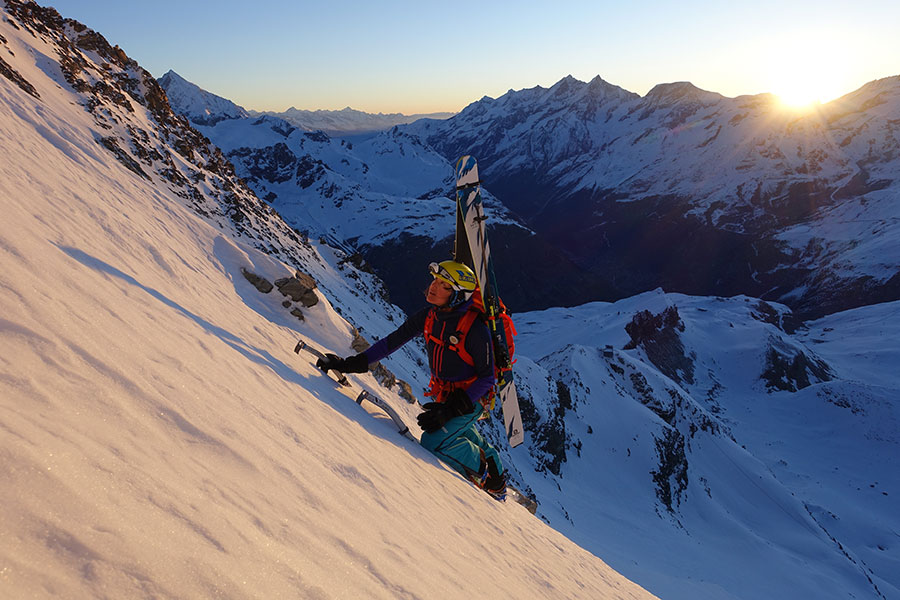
(438, 293)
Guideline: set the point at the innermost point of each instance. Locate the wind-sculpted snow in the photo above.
(159, 438)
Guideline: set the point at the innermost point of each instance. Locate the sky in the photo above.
(424, 56)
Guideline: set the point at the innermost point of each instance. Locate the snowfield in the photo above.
(159, 438)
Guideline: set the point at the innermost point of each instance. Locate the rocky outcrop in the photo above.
(300, 288)
(549, 436)
(671, 478)
(657, 335)
(789, 368)
(260, 283)
(14, 76)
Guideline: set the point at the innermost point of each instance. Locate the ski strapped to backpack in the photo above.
(472, 248)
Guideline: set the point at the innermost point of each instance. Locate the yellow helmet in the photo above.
(459, 276)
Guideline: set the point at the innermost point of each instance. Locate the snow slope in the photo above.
(796, 478)
(160, 439)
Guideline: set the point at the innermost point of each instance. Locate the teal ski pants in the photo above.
(459, 444)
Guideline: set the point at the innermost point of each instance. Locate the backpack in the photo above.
(503, 358)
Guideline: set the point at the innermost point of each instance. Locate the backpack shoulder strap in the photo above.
(429, 326)
(463, 327)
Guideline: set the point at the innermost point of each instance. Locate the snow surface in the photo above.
(160, 439)
(801, 486)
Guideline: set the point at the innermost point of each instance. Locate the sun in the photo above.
(804, 70)
(798, 97)
(802, 86)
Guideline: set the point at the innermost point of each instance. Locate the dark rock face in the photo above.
(658, 336)
(300, 288)
(550, 437)
(275, 164)
(14, 76)
(671, 478)
(791, 369)
(260, 283)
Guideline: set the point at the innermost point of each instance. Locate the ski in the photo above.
(363, 395)
(472, 249)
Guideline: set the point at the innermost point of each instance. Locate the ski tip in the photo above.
(466, 171)
(464, 162)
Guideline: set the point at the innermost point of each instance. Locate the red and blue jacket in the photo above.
(447, 365)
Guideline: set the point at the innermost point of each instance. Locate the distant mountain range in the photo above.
(682, 189)
(347, 121)
(695, 192)
(387, 197)
(205, 108)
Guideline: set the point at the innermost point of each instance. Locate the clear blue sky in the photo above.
(426, 56)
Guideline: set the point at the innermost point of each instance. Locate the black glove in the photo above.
(437, 414)
(354, 364)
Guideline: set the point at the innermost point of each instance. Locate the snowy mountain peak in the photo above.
(564, 85)
(885, 91)
(574, 90)
(200, 106)
(665, 94)
(599, 86)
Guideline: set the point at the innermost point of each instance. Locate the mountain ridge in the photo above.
(347, 121)
(710, 172)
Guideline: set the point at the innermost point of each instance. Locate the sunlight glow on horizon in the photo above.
(806, 68)
(402, 56)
